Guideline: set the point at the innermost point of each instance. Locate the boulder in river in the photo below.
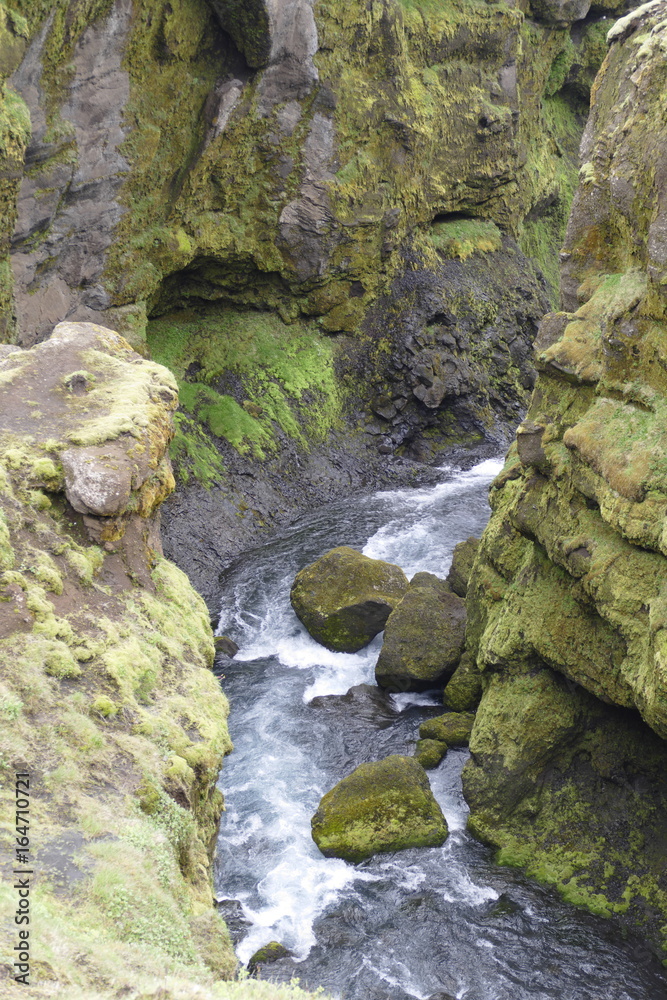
(462, 560)
(452, 728)
(424, 636)
(386, 805)
(429, 753)
(344, 598)
(271, 952)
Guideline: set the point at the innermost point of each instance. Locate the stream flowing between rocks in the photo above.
(423, 923)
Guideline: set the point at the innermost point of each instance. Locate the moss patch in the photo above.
(282, 377)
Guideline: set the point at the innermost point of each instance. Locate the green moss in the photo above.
(15, 125)
(58, 660)
(462, 238)
(386, 805)
(226, 419)
(344, 598)
(194, 454)
(429, 753)
(542, 235)
(286, 371)
(105, 706)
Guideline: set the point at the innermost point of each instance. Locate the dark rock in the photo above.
(232, 913)
(387, 805)
(247, 21)
(424, 636)
(462, 560)
(345, 598)
(529, 443)
(223, 644)
(271, 952)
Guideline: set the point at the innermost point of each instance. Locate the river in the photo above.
(425, 923)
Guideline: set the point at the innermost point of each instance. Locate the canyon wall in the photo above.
(567, 600)
(107, 698)
(332, 222)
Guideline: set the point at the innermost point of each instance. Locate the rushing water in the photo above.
(439, 922)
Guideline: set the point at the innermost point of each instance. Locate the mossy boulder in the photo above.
(270, 952)
(429, 753)
(386, 805)
(345, 598)
(464, 688)
(462, 560)
(453, 728)
(424, 636)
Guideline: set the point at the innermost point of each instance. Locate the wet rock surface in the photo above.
(345, 598)
(424, 636)
(383, 806)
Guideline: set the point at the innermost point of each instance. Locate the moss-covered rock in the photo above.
(271, 952)
(574, 791)
(382, 806)
(462, 560)
(453, 728)
(344, 598)
(429, 753)
(424, 636)
(107, 682)
(464, 688)
(566, 597)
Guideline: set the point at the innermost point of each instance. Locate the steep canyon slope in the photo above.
(568, 592)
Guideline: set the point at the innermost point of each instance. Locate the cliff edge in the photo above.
(567, 603)
(108, 707)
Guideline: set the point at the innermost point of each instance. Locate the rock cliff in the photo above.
(316, 214)
(567, 598)
(107, 699)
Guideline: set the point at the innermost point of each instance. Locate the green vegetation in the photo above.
(282, 376)
(553, 752)
(541, 236)
(462, 238)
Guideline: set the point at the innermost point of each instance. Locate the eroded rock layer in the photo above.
(567, 597)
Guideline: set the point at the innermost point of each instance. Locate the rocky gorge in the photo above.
(305, 249)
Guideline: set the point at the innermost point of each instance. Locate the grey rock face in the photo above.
(68, 202)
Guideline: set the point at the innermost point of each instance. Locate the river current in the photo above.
(435, 923)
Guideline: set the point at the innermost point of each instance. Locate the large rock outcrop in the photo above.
(567, 600)
(106, 698)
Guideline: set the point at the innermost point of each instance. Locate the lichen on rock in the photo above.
(344, 598)
(386, 805)
(565, 604)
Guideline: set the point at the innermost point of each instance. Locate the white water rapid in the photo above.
(431, 923)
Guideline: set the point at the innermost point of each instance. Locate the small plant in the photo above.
(10, 707)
